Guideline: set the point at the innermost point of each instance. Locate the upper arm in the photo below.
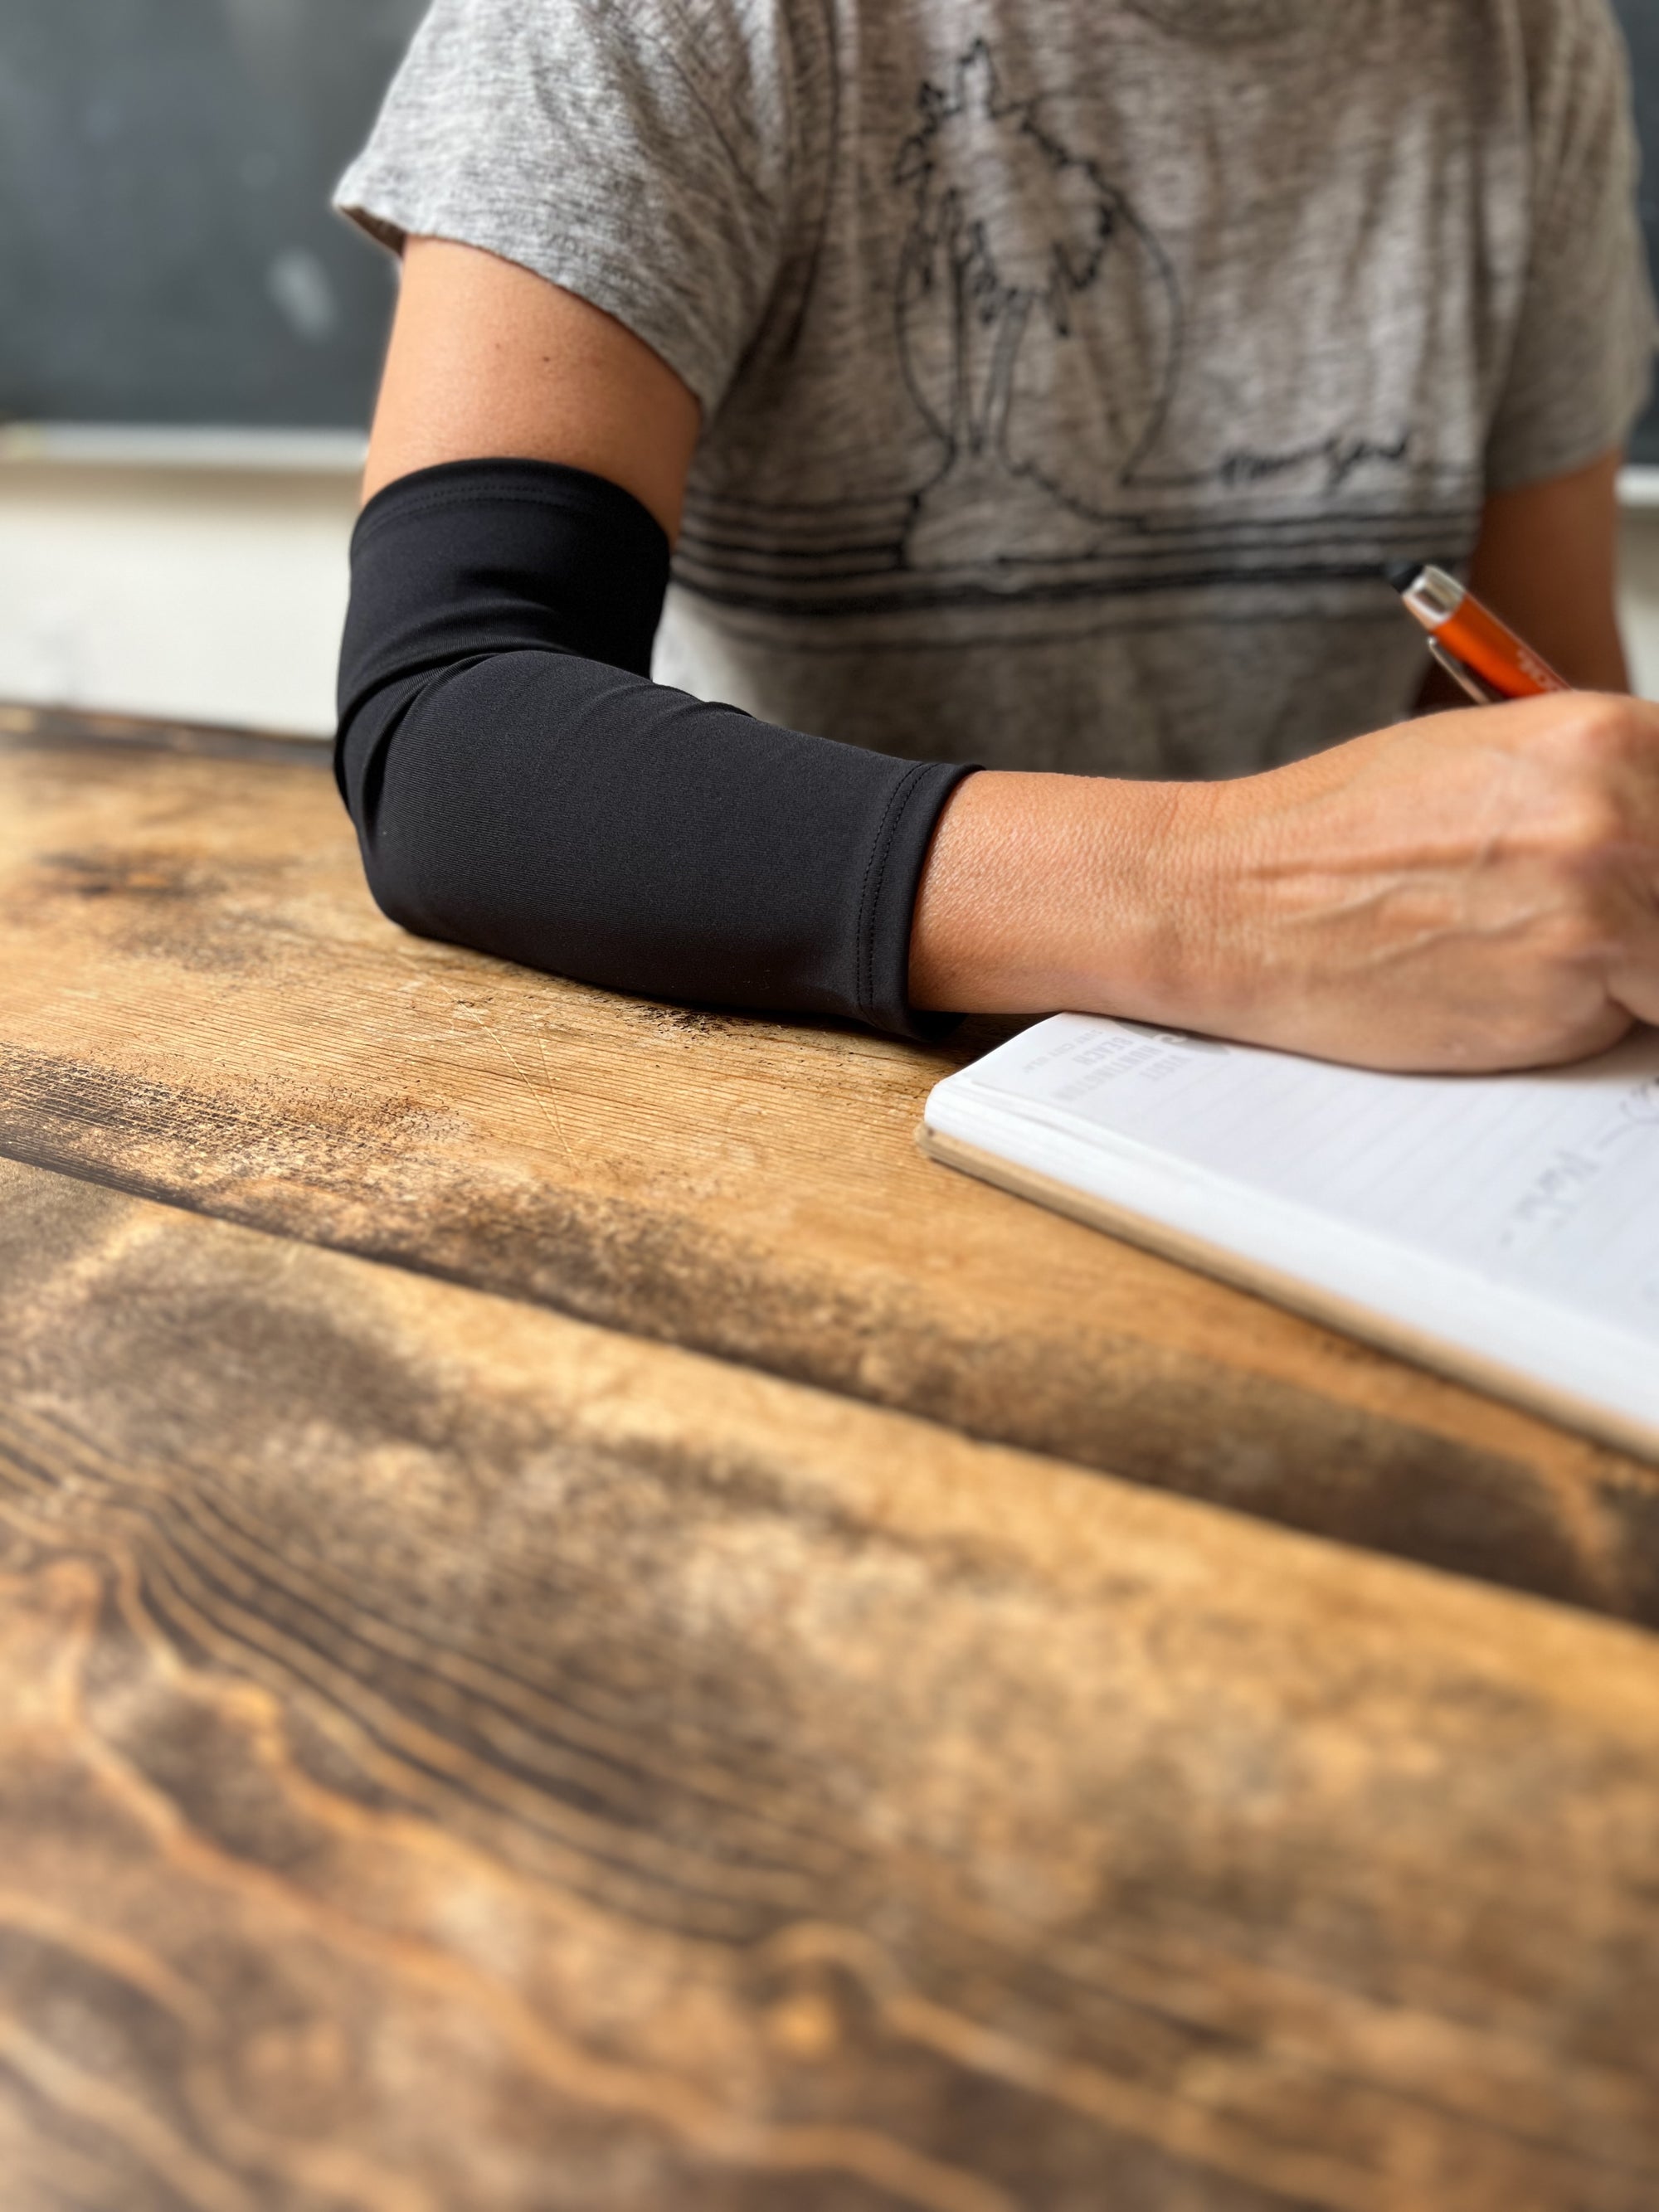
(1578, 361)
(487, 359)
(1577, 347)
(1547, 562)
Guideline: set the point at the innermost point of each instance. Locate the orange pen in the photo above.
(1481, 653)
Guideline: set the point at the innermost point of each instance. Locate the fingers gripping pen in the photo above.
(1481, 653)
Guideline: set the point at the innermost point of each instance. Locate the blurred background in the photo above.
(189, 342)
(189, 346)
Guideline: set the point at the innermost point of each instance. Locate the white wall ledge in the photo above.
(184, 447)
(1638, 491)
(328, 452)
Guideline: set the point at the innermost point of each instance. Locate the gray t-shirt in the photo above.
(1069, 369)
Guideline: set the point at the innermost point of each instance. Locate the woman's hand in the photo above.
(1473, 890)
(1469, 892)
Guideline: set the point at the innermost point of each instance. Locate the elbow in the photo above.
(452, 846)
(404, 886)
(409, 862)
(393, 815)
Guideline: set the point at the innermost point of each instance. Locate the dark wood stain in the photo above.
(452, 1755)
(1247, 1442)
(77, 730)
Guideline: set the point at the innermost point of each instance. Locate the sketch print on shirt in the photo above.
(982, 288)
(1042, 333)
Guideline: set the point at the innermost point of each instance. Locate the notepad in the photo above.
(1503, 1229)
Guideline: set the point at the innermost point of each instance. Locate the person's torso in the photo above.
(1116, 350)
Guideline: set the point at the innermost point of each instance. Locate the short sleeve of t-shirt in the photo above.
(1582, 368)
(635, 152)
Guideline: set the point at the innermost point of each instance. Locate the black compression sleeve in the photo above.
(519, 785)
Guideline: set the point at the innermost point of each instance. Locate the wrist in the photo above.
(1046, 892)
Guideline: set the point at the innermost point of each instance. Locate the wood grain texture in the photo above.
(203, 1006)
(452, 1756)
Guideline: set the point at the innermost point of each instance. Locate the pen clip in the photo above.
(1464, 676)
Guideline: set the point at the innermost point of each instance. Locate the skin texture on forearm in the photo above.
(1052, 891)
(1473, 892)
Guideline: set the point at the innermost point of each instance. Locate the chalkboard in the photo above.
(1641, 20)
(167, 253)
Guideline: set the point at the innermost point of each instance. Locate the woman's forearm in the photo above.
(1053, 890)
(1477, 891)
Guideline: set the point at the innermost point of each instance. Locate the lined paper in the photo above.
(1520, 1212)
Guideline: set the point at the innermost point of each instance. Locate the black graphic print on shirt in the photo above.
(991, 306)
(1043, 337)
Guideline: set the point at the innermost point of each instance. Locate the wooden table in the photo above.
(582, 1628)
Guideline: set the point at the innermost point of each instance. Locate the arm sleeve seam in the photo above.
(597, 506)
(874, 876)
